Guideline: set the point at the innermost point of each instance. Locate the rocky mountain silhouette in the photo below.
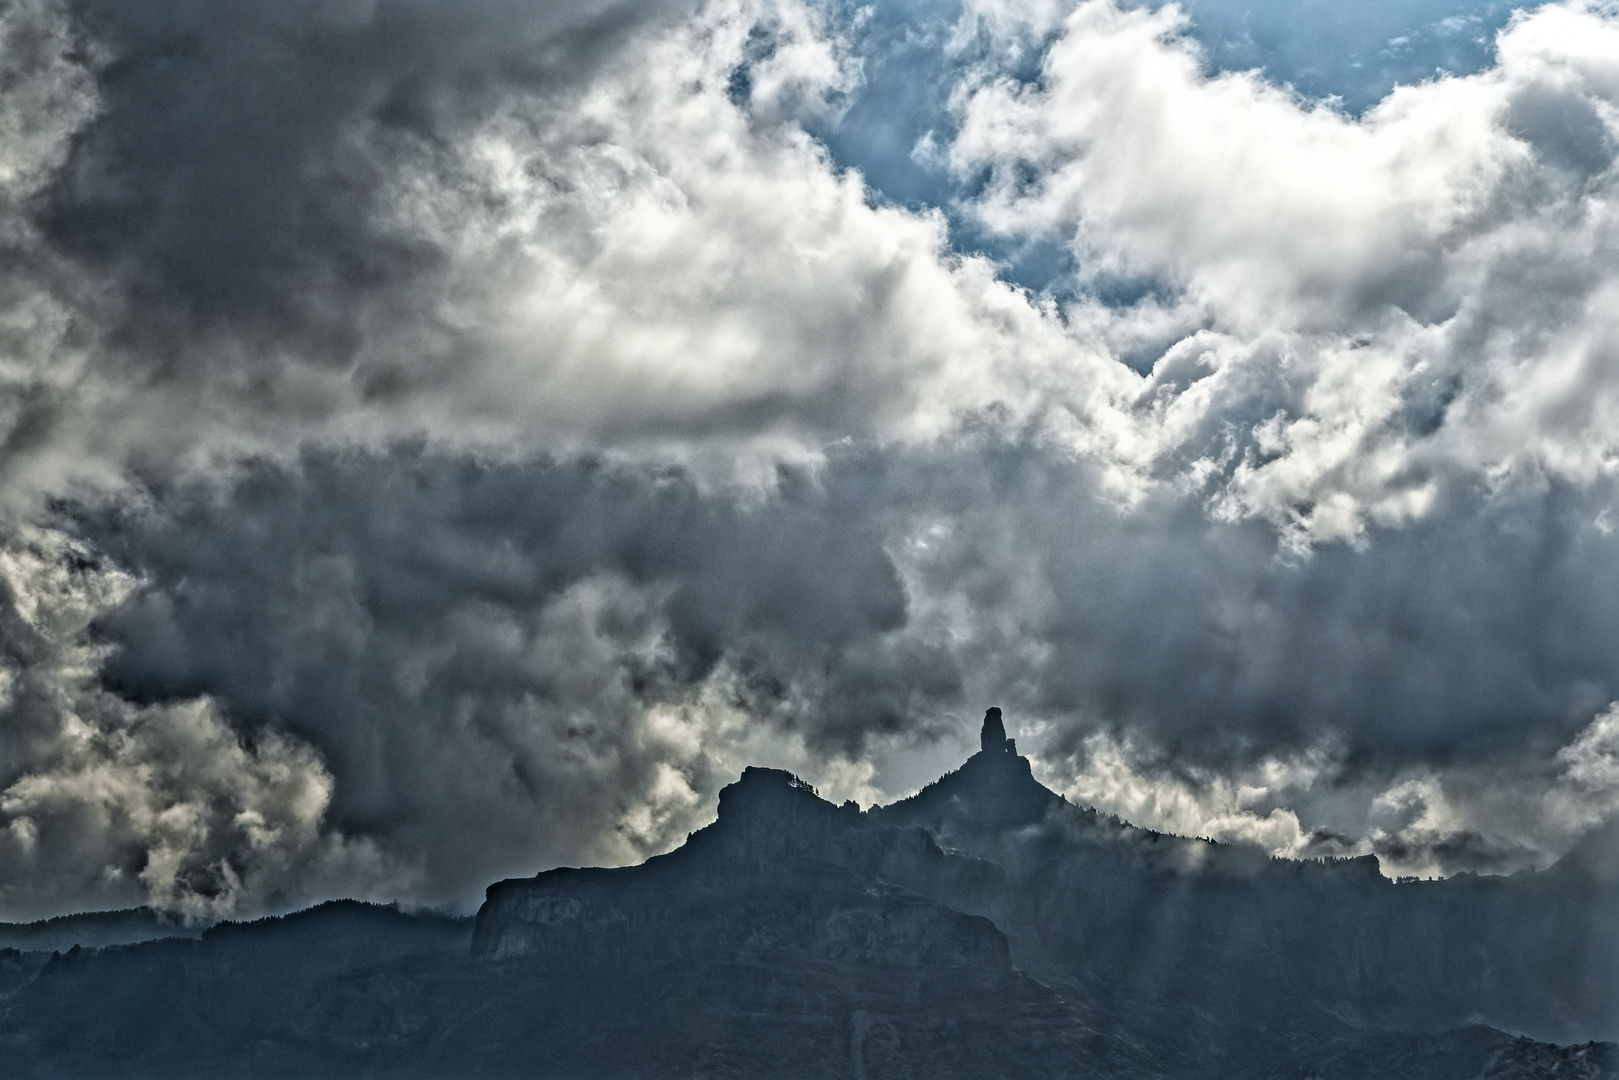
(984, 927)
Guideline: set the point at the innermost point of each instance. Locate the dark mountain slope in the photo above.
(1136, 922)
(982, 928)
(205, 1006)
(792, 953)
(768, 946)
(1469, 1053)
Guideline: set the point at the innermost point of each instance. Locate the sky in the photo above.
(443, 442)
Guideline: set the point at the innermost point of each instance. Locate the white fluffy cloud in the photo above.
(1423, 822)
(650, 258)
(1366, 306)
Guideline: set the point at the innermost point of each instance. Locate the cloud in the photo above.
(108, 804)
(511, 663)
(1418, 821)
(515, 664)
(499, 429)
(1367, 306)
(555, 227)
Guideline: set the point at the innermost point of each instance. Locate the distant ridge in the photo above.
(96, 929)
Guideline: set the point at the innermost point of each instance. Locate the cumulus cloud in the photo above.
(514, 663)
(482, 435)
(106, 804)
(561, 227)
(1359, 308)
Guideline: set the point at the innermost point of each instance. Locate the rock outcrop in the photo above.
(789, 871)
(992, 737)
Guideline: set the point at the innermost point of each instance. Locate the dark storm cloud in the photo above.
(232, 170)
(474, 646)
(1480, 631)
(426, 534)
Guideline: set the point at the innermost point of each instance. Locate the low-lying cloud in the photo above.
(108, 804)
(499, 649)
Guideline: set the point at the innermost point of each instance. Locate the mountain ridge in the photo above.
(982, 927)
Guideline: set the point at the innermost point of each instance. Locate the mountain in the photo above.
(984, 927)
(1229, 945)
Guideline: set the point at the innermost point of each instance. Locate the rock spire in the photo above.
(992, 738)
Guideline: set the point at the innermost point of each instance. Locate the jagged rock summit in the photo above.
(777, 847)
(994, 790)
(992, 738)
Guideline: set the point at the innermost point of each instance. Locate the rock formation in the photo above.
(992, 738)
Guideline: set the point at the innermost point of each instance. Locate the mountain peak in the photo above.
(992, 737)
(995, 788)
(776, 794)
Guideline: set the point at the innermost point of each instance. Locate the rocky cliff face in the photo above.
(788, 870)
